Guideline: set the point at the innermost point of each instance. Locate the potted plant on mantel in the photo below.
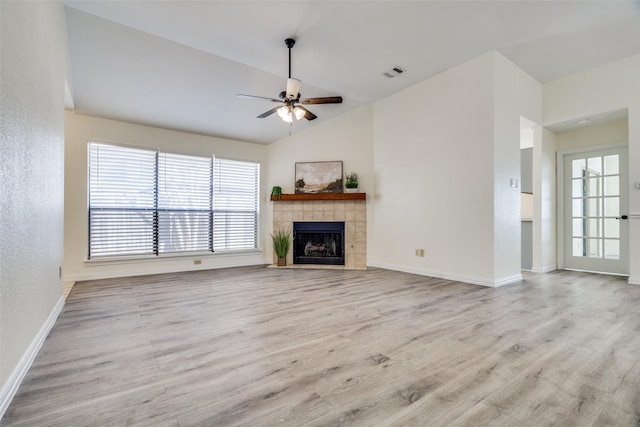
(281, 245)
(276, 192)
(351, 183)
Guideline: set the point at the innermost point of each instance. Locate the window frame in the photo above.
(253, 247)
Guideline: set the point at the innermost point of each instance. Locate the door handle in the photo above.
(622, 217)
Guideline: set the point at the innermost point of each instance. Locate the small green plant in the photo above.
(352, 180)
(276, 192)
(281, 242)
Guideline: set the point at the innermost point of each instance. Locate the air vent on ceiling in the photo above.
(394, 72)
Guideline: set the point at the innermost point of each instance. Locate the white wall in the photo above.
(433, 162)
(82, 129)
(445, 151)
(593, 135)
(348, 137)
(33, 54)
(611, 87)
(516, 95)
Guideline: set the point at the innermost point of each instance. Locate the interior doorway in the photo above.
(526, 193)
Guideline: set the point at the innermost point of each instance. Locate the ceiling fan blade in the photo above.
(258, 97)
(268, 113)
(293, 88)
(325, 100)
(307, 114)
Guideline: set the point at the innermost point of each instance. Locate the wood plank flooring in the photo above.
(66, 290)
(288, 347)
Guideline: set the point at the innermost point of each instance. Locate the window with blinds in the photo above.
(144, 202)
(235, 202)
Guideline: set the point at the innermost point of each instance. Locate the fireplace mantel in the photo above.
(319, 196)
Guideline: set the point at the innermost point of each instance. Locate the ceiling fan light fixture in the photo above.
(299, 113)
(285, 114)
(288, 119)
(288, 113)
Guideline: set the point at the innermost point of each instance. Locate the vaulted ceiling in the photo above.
(180, 64)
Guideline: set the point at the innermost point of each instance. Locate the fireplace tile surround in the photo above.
(352, 212)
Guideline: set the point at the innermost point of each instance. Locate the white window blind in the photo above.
(122, 194)
(144, 202)
(235, 204)
(184, 203)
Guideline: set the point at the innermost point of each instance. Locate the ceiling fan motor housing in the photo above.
(283, 97)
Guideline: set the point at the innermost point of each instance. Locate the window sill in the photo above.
(136, 259)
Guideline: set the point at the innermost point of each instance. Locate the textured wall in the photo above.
(445, 151)
(433, 158)
(80, 129)
(33, 65)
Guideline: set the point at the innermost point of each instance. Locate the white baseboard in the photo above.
(450, 276)
(634, 280)
(545, 269)
(507, 280)
(10, 388)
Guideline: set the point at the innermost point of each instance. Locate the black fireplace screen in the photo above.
(318, 243)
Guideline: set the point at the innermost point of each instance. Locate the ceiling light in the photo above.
(286, 114)
(299, 112)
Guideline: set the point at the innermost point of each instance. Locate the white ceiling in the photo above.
(180, 64)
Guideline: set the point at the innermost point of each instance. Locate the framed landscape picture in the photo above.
(318, 177)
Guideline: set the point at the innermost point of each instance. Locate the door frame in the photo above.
(560, 199)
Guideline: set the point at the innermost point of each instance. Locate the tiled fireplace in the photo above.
(350, 211)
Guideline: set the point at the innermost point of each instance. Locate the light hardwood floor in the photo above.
(284, 347)
(66, 289)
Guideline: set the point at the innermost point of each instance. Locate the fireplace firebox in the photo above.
(318, 243)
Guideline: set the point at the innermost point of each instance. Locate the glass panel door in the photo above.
(595, 236)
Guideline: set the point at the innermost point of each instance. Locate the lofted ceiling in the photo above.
(180, 64)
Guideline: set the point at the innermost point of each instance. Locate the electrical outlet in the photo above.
(420, 252)
(197, 261)
(417, 252)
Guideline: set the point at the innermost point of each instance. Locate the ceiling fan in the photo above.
(291, 99)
